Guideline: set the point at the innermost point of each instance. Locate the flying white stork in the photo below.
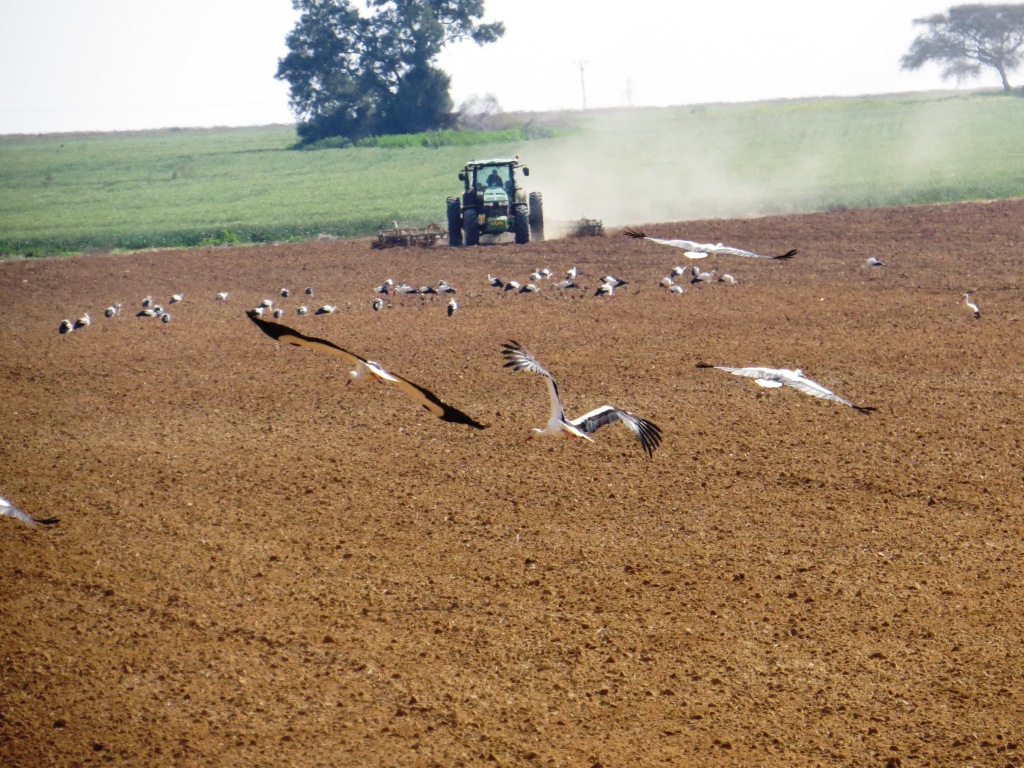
(9, 510)
(694, 250)
(364, 370)
(776, 377)
(518, 359)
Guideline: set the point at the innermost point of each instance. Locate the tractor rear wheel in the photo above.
(471, 226)
(454, 222)
(521, 222)
(537, 216)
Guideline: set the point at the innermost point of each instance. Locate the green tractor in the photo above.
(493, 203)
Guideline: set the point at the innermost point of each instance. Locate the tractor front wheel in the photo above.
(454, 222)
(471, 226)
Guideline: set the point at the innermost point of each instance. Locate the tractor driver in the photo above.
(494, 180)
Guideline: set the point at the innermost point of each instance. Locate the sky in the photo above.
(106, 65)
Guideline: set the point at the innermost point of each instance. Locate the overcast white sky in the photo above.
(98, 65)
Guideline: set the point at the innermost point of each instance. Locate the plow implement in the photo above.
(423, 237)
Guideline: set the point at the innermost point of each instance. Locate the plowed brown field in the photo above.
(257, 565)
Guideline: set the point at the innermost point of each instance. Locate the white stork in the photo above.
(83, 322)
(364, 370)
(66, 326)
(773, 378)
(7, 509)
(605, 289)
(377, 304)
(871, 261)
(452, 306)
(702, 277)
(176, 298)
(495, 282)
(518, 359)
(222, 296)
(694, 250)
(970, 305)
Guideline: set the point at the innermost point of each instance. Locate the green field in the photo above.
(71, 193)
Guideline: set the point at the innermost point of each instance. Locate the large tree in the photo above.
(968, 38)
(355, 74)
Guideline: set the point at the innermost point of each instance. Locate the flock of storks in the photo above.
(516, 356)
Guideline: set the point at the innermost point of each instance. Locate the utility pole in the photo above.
(583, 83)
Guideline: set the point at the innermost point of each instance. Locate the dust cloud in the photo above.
(627, 169)
(630, 167)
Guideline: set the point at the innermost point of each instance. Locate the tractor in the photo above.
(493, 203)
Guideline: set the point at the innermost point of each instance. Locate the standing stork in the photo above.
(970, 305)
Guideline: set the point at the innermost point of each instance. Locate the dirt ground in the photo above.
(258, 565)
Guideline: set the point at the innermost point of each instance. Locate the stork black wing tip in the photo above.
(704, 365)
(48, 520)
(787, 255)
(865, 408)
(630, 232)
